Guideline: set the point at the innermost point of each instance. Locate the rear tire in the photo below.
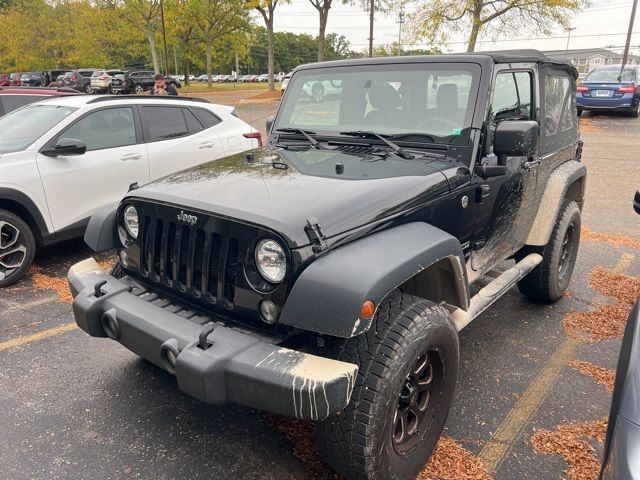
(138, 89)
(17, 248)
(408, 363)
(580, 111)
(548, 281)
(635, 113)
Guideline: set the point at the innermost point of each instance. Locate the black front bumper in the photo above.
(233, 367)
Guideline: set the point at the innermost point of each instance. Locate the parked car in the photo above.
(53, 75)
(138, 81)
(244, 78)
(14, 78)
(622, 441)
(12, 98)
(610, 88)
(101, 80)
(79, 80)
(34, 79)
(284, 83)
(62, 158)
(331, 270)
(5, 81)
(204, 78)
(263, 78)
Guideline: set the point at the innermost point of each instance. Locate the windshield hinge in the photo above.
(316, 235)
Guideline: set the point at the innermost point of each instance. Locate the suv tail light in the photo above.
(582, 89)
(627, 89)
(73, 78)
(104, 77)
(256, 135)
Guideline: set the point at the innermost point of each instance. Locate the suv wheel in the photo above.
(635, 113)
(408, 363)
(87, 88)
(138, 89)
(17, 248)
(548, 281)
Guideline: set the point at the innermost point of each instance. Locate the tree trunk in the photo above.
(154, 50)
(269, 22)
(324, 16)
(208, 41)
(476, 24)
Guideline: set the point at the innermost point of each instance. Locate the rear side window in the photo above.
(85, 73)
(108, 128)
(206, 117)
(164, 123)
(192, 122)
(13, 102)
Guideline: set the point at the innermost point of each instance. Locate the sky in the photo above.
(604, 23)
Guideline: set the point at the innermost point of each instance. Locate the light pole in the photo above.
(568, 30)
(400, 22)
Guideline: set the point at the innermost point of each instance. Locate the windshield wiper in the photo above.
(397, 149)
(307, 134)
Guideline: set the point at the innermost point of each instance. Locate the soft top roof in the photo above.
(499, 56)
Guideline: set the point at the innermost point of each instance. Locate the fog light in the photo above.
(268, 311)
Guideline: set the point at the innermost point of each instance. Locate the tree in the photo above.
(497, 17)
(267, 9)
(147, 12)
(323, 7)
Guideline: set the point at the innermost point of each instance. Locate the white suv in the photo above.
(62, 158)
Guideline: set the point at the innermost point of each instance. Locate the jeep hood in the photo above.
(281, 189)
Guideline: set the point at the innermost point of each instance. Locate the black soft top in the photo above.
(499, 56)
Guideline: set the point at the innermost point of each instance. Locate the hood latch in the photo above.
(316, 235)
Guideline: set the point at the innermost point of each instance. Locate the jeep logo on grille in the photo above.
(185, 217)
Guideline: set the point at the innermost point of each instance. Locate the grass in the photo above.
(201, 87)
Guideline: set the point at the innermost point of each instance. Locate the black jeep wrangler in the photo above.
(327, 275)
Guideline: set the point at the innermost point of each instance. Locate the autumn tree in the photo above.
(495, 17)
(145, 13)
(267, 8)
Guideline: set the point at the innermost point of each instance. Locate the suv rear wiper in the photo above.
(398, 150)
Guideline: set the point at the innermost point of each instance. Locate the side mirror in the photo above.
(636, 202)
(515, 138)
(66, 147)
(270, 120)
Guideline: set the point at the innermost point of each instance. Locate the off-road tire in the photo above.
(358, 442)
(548, 281)
(117, 271)
(14, 232)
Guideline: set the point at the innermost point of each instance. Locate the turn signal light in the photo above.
(256, 135)
(367, 310)
(582, 89)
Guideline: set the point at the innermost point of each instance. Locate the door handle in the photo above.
(205, 145)
(131, 156)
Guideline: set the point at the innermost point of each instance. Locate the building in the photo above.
(586, 59)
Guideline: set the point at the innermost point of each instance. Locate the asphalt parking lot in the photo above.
(79, 407)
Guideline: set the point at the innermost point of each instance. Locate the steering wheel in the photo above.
(439, 124)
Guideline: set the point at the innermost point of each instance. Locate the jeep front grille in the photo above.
(189, 259)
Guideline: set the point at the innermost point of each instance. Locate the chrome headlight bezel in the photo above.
(276, 270)
(131, 221)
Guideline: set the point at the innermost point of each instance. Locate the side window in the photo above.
(557, 111)
(164, 123)
(206, 117)
(108, 128)
(192, 122)
(511, 97)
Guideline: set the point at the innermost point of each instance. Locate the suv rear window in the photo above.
(164, 123)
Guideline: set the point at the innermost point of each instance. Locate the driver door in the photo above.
(506, 207)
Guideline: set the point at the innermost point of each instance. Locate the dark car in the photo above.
(5, 81)
(54, 75)
(137, 81)
(79, 80)
(34, 79)
(12, 98)
(326, 276)
(610, 88)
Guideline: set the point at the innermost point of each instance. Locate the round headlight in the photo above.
(271, 261)
(131, 221)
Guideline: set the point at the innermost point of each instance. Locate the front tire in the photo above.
(548, 281)
(17, 248)
(408, 363)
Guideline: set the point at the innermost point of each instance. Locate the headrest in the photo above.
(447, 96)
(383, 96)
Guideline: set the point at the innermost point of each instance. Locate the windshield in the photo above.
(22, 127)
(432, 100)
(610, 75)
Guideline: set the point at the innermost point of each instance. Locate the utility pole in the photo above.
(400, 22)
(373, 7)
(566, 49)
(164, 42)
(626, 47)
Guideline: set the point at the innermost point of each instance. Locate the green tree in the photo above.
(267, 8)
(496, 17)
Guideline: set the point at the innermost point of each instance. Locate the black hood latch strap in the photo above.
(316, 235)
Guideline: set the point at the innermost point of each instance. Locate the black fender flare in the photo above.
(28, 207)
(101, 233)
(327, 296)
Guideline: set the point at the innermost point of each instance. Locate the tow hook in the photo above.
(97, 288)
(203, 343)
